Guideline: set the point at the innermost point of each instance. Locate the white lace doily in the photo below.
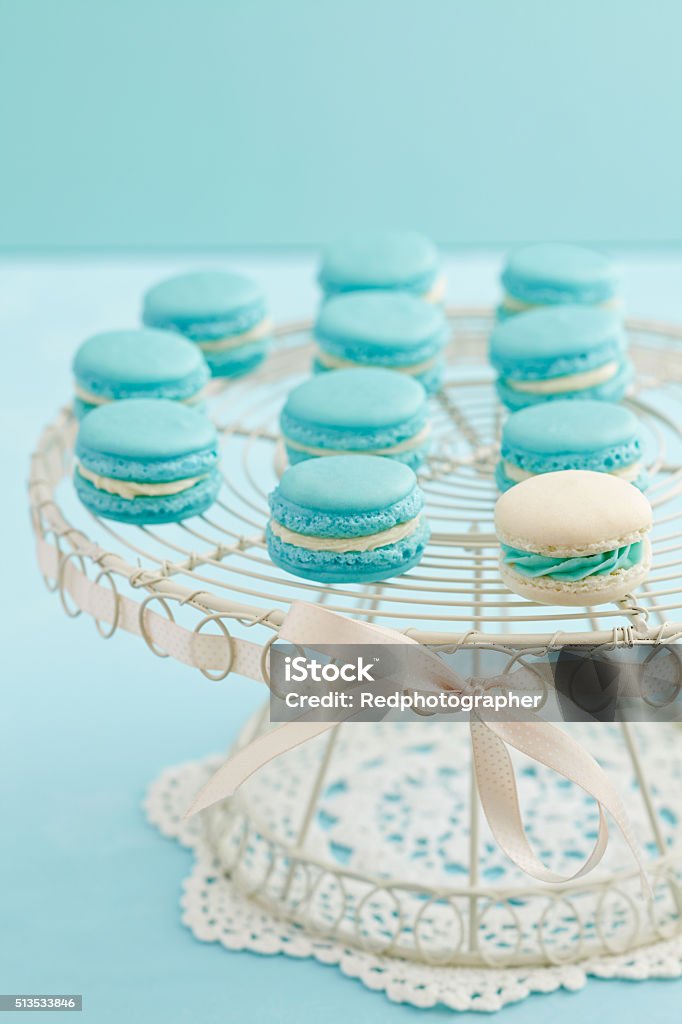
(216, 911)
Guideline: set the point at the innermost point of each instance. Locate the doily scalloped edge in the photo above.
(241, 925)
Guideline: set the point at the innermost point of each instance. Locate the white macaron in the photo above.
(573, 538)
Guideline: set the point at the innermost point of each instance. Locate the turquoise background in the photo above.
(202, 123)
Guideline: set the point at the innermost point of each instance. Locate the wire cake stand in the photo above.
(373, 835)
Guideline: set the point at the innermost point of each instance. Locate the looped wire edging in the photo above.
(52, 585)
(218, 675)
(143, 628)
(107, 634)
(64, 561)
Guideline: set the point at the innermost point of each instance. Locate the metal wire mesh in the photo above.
(221, 557)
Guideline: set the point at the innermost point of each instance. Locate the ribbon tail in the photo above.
(238, 768)
(498, 790)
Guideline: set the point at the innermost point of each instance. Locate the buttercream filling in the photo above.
(518, 475)
(518, 305)
(572, 569)
(131, 489)
(257, 333)
(91, 399)
(436, 292)
(341, 544)
(336, 363)
(570, 382)
(394, 449)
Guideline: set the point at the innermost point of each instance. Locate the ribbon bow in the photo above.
(308, 624)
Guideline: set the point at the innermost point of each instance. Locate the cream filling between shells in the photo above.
(130, 489)
(261, 330)
(341, 544)
(518, 306)
(87, 396)
(436, 292)
(518, 475)
(394, 449)
(337, 363)
(571, 382)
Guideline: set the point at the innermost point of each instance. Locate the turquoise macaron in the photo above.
(581, 434)
(388, 329)
(385, 261)
(555, 274)
(347, 519)
(224, 314)
(146, 461)
(367, 411)
(143, 363)
(560, 352)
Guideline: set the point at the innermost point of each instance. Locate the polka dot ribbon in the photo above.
(308, 625)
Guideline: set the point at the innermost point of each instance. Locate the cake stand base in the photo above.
(215, 910)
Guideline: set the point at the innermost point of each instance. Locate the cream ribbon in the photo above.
(307, 625)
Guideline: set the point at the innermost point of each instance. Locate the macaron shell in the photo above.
(574, 434)
(376, 325)
(397, 259)
(591, 591)
(556, 341)
(556, 273)
(576, 426)
(571, 512)
(144, 362)
(357, 399)
(364, 409)
(146, 439)
(204, 304)
(347, 486)
(146, 428)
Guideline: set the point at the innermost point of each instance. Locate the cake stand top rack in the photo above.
(195, 589)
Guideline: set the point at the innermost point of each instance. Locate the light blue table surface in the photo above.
(89, 891)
